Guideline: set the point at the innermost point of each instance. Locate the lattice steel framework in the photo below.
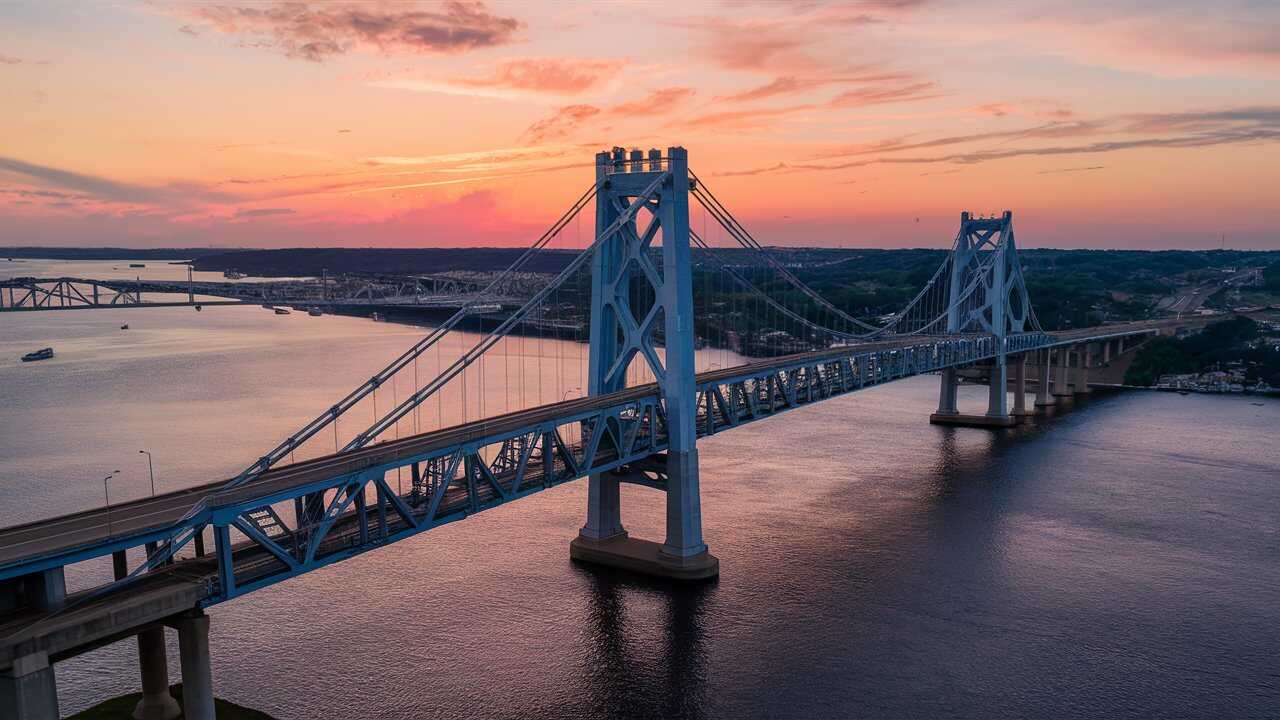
(632, 300)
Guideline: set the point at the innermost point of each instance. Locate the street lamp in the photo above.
(107, 495)
(151, 469)
(566, 395)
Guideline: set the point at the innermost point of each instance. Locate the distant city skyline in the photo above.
(1138, 125)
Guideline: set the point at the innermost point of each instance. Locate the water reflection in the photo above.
(633, 672)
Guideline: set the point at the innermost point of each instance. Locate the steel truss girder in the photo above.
(488, 471)
(51, 293)
(361, 510)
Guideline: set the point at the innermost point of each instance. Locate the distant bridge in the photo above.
(71, 293)
(217, 541)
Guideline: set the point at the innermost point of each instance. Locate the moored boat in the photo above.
(282, 311)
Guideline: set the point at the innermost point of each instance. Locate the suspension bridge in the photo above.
(650, 394)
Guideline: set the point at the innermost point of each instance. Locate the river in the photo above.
(1119, 558)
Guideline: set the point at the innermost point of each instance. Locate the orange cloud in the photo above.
(563, 76)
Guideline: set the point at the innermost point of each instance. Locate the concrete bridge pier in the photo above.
(1043, 398)
(1061, 381)
(28, 690)
(1020, 410)
(197, 670)
(997, 414)
(1081, 386)
(153, 662)
(947, 394)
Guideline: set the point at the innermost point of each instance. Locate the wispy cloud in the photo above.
(760, 117)
(319, 31)
(1057, 171)
(566, 120)
(1226, 127)
(477, 160)
(111, 190)
(657, 102)
(791, 84)
(561, 123)
(263, 212)
(880, 95)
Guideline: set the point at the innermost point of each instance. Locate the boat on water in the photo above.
(282, 311)
(124, 326)
(315, 312)
(233, 275)
(41, 354)
(137, 264)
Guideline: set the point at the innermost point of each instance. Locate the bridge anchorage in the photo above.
(175, 554)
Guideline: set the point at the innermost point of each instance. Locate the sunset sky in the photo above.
(1135, 124)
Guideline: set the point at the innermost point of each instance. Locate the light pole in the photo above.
(567, 393)
(151, 469)
(107, 495)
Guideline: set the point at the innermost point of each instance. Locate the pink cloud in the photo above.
(301, 30)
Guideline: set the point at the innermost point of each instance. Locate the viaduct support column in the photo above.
(156, 702)
(1020, 387)
(998, 395)
(197, 671)
(1081, 386)
(1043, 398)
(1060, 385)
(28, 690)
(947, 395)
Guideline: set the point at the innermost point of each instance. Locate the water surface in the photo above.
(1119, 559)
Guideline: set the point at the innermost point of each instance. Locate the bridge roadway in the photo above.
(191, 581)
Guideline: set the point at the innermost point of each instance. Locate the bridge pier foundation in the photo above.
(683, 555)
(997, 414)
(197, 671)
(28, 690)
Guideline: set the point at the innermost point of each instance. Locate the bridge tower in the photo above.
(987, 296)
(633, 299)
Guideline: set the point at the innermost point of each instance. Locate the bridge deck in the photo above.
(101, 525)
(92, 621)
